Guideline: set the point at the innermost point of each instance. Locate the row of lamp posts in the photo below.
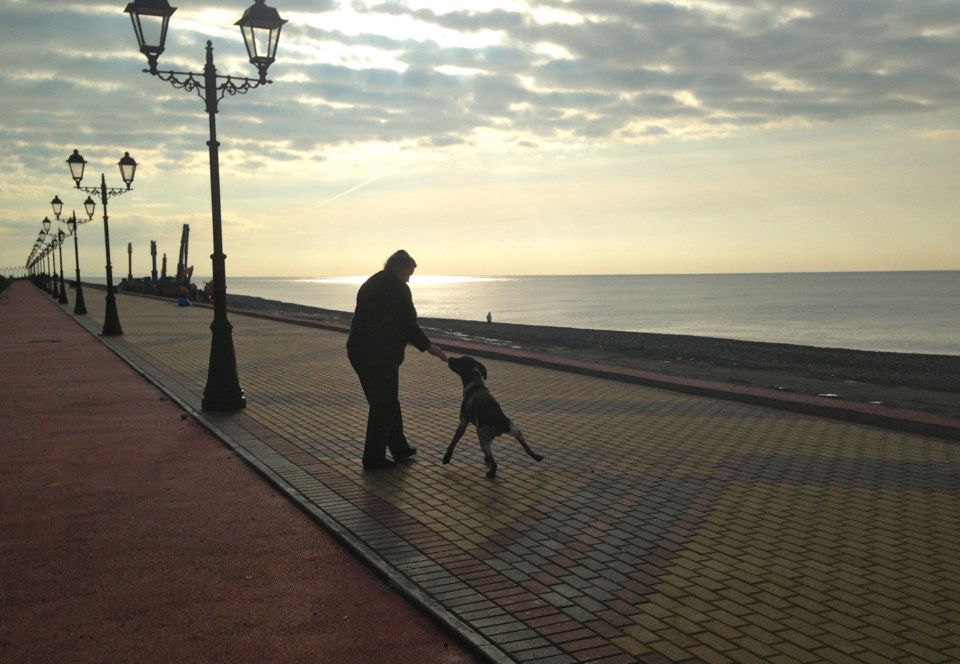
(260, 26)
(128, 168)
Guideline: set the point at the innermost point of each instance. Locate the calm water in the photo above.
(910, 312)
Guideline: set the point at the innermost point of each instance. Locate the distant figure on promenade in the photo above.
(489, 317)
(384, 322)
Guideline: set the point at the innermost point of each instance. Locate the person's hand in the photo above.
(436, 351)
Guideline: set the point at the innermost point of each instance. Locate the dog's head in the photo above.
(466, 367)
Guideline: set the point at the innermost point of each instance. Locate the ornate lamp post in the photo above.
(36, 257)
(128, 168)
(261, 27)
(79, 307)
(52, 280)
(33, 262)
(53, 261)
(42, 260)
(51, 269)
(63, 287)
(44, 234)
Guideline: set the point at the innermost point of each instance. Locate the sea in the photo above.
(904, 312)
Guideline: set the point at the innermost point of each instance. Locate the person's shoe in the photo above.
(406, 454)
(378, 464)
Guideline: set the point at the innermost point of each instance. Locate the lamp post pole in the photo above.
(128, 168)
(52, 279)
(223, 391)
(56, 274)
(63, 288)
(40, 261)
(44, 272)
(261, 27)
(44, 267)
(55, 293)
(79, 306)
(46, 233)
(47, 270)
(36, 260)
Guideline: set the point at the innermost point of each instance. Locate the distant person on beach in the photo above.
(489, 317)
(384, 322)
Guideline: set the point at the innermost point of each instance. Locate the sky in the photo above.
(502, 137)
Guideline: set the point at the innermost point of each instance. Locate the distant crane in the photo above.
(178, 287)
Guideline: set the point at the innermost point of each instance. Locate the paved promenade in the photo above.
(129, 533)
(660, 527)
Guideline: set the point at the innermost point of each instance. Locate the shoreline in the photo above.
(928, 383)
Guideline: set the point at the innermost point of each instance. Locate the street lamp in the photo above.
(128, 168)
(46, 268)
(261, 27)
(79, 306)
(47, 265)
(53, 260)
(35, 260)
(52, 248)
(46, 232)
(39, 262)
(63, 287)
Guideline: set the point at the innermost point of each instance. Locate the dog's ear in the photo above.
(483, 370)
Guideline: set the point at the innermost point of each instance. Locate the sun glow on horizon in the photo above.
(421, 279)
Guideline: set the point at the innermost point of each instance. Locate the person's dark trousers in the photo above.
(381, 386)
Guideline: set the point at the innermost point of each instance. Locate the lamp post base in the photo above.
(111, 319)
(79, 307)
(223, 402)
(63, 292)
(223, 391)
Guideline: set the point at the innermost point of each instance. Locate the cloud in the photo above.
(632, 64)
(519, 80)
(626, 66)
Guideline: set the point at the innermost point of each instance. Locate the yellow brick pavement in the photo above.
(660, 527)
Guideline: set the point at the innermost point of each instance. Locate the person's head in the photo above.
(401, 264)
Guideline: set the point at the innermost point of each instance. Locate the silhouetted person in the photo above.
(384, 322)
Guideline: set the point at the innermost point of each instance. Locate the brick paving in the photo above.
(660, 527)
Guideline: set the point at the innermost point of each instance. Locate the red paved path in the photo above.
(128, 533)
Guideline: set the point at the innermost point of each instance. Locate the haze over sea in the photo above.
(907, 312)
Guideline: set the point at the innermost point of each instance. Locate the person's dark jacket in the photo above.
(385, 320)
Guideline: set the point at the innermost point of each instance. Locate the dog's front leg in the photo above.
(516, 433)
(456, 439)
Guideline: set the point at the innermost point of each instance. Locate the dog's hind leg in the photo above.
(516, 433)
(456, 439)
(486, 444)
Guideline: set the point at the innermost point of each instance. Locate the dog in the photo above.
(480, 409)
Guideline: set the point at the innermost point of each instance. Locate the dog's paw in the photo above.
(446, 459)
(492, 473)
(537, 457)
